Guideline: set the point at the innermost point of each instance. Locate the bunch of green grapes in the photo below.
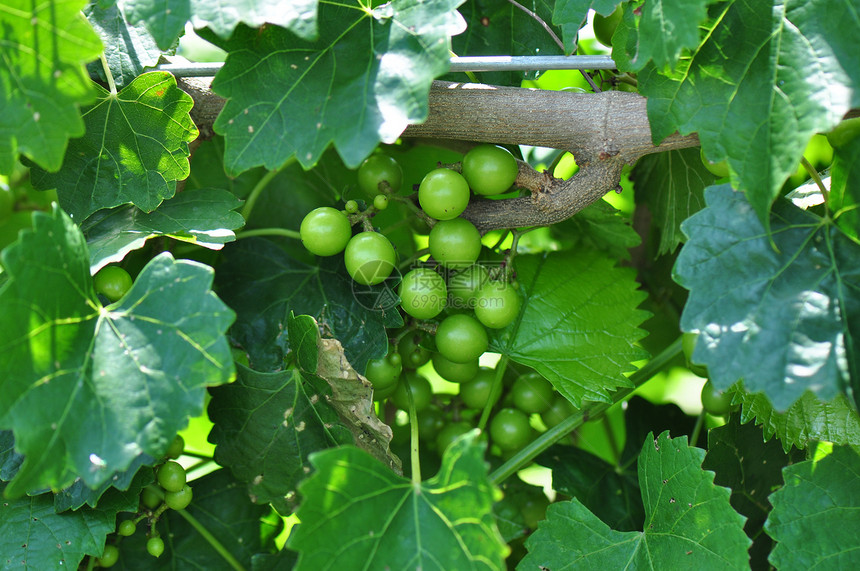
(170, 490)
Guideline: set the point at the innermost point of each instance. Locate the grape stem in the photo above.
(212, 540)
(268, 232)
(697, 429)
(816, 178)
(495, 391)
(408, 261)
(259, 188)
(525, 456)
(413, 438)
(108, 74)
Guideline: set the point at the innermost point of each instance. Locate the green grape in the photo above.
(150, 498)
(414, 355)
(510, 429)
(171, 476)
(179, 500)
(126, 528)
(351, 206)
(719, 170)
(376, 169)
(176, 448)
(325, 231)
(475, 394)
(463, 286)
(423, 293)
(532, 393)
(443, 194)
(155, 546)
(715, 402)
(422, 392)
(380, 202)
(461, 338)
(455, 372)
(369, 258)
(497, 305)
(430, 421)
(558, 411)
(688, 341)
(489, 169)
(841, 135)
(113, 282)
(382, 394)
(604, 26)
(533, 509)
(451, 433)
(109, 556)
(455, 243)
(384, 372)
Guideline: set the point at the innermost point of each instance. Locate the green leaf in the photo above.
(128, 48)
(304, 341)
(205, 217)
(844, 198)
(814, 518)
(497, 27)
(757, 100)
(667, 29)
(127, 484)
(385, 521)
(751, 468)
(672, 185)
(266, 425)
(221, 507)
(601, 227)
(10, 460)
(263, 284)
(610, 493)
(34, 536)
(166, 18)
(84, 382)
(42, 79)
(363, 81)
(135, 149)
(783, 317)
(578, 324)
(807, 420)
(688, 523)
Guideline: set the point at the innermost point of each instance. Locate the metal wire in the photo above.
(477, 63)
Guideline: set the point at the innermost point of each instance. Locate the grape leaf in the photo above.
(757, 100)
(266, 425)
(263, 284)
(814, 518)
(672, 185)
(385, 521)
(610, 493)
(204, 217)
(844, 199)
(578, 324)
(600, 226)
(751, 467)
(667, 28)
(84, 382)
(498, 27)
(221, 507)
(128, 48)
(166, 18)
(135, 149)
(42, 79)
(688, 522)
(784, 318)
(10, 460)
(34, 536)
(807, 420)
(283, 559)
(127, 484)
(363, 81)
